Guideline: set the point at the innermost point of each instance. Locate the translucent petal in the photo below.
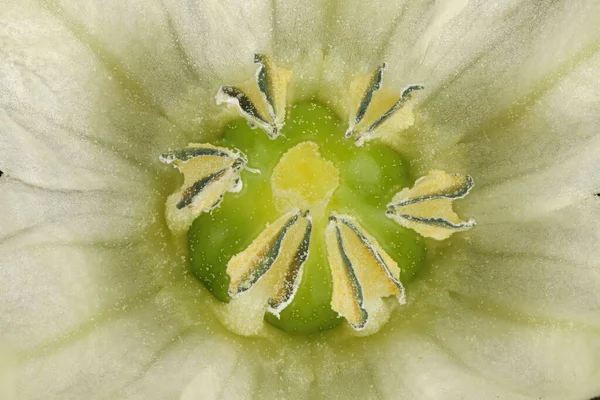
(150, 47)
(539, 287)
(568, 234)
(490, 72)
(101, 358)
(298, 41)
(355, 45)
(222, 38)
(520, 355)
(556, 135)
(425, 370)
(55, 114)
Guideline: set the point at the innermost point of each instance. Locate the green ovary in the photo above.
(368, 177)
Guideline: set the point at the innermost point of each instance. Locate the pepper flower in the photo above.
(299, 200)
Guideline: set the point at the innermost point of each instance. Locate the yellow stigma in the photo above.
(304, 179)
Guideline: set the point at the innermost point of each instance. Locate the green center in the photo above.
(311, 151)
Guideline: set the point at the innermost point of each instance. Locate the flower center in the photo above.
(249, 250)
(312, 223)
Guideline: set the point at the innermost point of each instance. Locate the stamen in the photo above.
(265, 109)
(347, 298)
(374, 85)
(190, 193)
(272, 83)
(377, 254)
(381, 114)
(427, 206)
(362, 272)
(209, 172)
(293, 276)
(246, 273)
(192, 152)
(235, 96)
(281, 251)
(404, 97)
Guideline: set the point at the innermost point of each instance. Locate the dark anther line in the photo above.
(292, 274)
(267, 261)
(190, 193)
(457, 194)
(244, 101)
(188, 154)
(349, 267)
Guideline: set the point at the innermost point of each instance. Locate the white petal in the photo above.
(423, 369)
(536, 359)
(206, 361)
(8, 373)
(539, 287)
(556, 134)
(99, 359)
(569, 234)
(298, 42)
(360, 36)
(220, 39)
(62, 90)
(342, 372)
(68, 256)
(508, 83)
(82, 233)
(142, 43)
(402, 364)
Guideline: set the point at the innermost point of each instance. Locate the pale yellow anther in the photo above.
(363, 273)
(427, 206)
(269, 270)
(208, 173)
(262, 100)
(376, 112)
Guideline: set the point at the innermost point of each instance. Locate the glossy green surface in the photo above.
(369, 177)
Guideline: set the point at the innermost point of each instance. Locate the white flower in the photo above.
(95, 299)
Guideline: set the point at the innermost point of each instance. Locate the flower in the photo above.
(96, 299)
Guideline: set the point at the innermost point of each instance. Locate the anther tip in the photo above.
(165, 158)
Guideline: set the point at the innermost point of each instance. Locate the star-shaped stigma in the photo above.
(308, 218)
